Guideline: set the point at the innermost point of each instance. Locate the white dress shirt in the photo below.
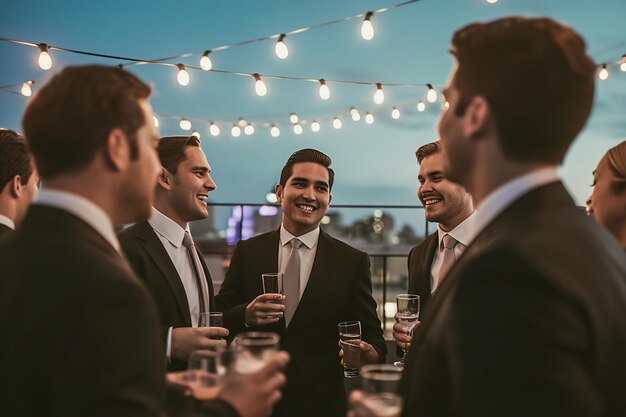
(7, 222)
(82, 208)
(307, 253)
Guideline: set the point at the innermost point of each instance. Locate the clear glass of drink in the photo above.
(253, 350)
(273, 284)
(408, 313)
(204, 373)
(350, 340)
(211, 319)
(380, 385)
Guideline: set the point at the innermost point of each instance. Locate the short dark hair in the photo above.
(172, 150)
(427, 150)
(537, 78)
(15, 158)
(616, 161)
(70, 118)
(307, 155)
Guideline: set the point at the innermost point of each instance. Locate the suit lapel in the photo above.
(154, 248)
(425, 265)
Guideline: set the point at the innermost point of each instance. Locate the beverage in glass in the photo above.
(408, 314)
(350, 340)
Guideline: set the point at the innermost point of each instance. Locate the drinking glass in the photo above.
(204, 373)
(253, 350)
(380, 385)
(350, 340)
(408, 313)
(273, 284)
(211, 319)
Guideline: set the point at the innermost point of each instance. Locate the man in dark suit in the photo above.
(82, 333)
(531, 320)
(18, 180)
(450, 206)
(331, 284)
(181, 284)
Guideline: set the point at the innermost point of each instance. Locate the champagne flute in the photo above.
(408, 313)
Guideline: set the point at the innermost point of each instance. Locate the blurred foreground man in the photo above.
(531, 320)
(81, 332)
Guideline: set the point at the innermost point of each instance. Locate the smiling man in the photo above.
(326, 282)
(162, 252)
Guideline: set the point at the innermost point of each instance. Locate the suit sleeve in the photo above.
(364, 308)
(230, 299)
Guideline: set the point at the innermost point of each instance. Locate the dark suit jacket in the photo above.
(5, 231)
(79, 330)
(150, 261)
(339, 289)
(419, 263)
(531, 320)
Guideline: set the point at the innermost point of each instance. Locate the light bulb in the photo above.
(356, 116)
(622, 66)
(379, 95)
(297, 129)
(259, 86)
(183, 75)
(196, 134)
(395, 113)
(26, 90)
(337, 123)
(235, 131)
(315, 126)
(275, 131)
(293, 118)
(214, 129)
(45, 61)
(205, 62)
(604, 73)
(156, 121)
(492, 1)
(367, 30)
(431, 96)
(324, 90)
(369, 118)
(185, 124)
(446, 105)
(242, 123)
(281, 47)
(421, 106)
(248, 130)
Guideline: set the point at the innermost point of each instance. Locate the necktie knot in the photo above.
(295, 243)
(187, 240)
(448, 241)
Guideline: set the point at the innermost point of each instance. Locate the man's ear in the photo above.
(15, 186)
(477, 117)
(164, 179)
(278, 190)
(117, 150)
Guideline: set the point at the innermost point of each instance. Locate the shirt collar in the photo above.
(7, 222)
(82, 208)
(308, 239)
(506, 194)
(462, 233)
(167, 228)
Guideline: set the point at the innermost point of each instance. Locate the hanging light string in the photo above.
(25, 89)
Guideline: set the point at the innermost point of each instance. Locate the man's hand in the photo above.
(369, 355)
(400, 335)
(254, 395)
(262, 310)
(187, 339)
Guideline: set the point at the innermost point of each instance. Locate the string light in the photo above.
(249, 129)
(156, 121)
(280, 48)
(604, 73)
(446, 105)
(205, 62)
(315, 126)
(367, 30)
(324, 90)
(431, 96)
(356, 116)
(183, 75)
(293, 118)
(196, 134)
(45, 60)
(369, 118)
(185, 124)
(492, 1)
(421, 106)
(26, 90)
(214, 129)
(297, 129)
(622, 66)
(395, 113)
(259, 86)
(336, 122)
(235, 131)
(379, 95)
(275, 131)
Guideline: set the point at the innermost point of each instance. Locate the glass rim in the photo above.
(381, 372)
(271, 273)
(408, 296)
(349, 323)
(257, 338)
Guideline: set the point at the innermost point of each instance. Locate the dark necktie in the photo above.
(292, 280)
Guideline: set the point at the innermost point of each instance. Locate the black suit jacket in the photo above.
(419, 263)
(150, 261)
(531, 320)
(339, 289)
(5, 231)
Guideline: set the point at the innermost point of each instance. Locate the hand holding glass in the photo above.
(380, 387)
(273, 284)
(350, 341)
(253, 350)
(211, 319)
(408, 313)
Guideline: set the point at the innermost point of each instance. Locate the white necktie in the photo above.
(447, 257)
(203, 292)
(292, 280)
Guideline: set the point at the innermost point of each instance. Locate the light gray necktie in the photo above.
(447, 257)
(203, 293)
(292, 280)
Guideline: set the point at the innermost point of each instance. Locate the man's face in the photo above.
(191, 185)
(444, 201)
(305, 197)
(29, 191)
(606, 204)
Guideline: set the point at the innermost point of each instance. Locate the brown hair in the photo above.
(15, 158)
(537, 78)
(172, 150)
(616, 161)
(307, 155)
(70, 118)
(427, 150)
